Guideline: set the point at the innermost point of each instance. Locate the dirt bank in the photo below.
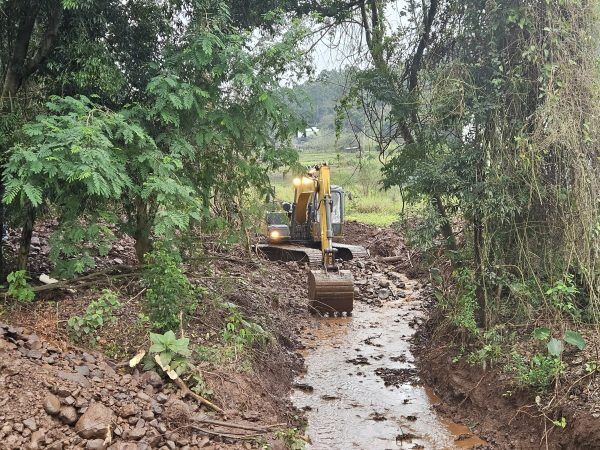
(252, 384)
(501, 411)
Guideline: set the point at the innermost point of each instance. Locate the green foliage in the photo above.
(556, 346)
(18, 287)
(69, 155)
(540, 373)
(490, 350)
(242, 332)
(98, 313)
(562, 296)
(460, 303)
(73, 246)
(169, 294)
(172, 352)
(292, 438)
(200, 387)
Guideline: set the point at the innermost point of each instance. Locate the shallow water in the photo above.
(350, 407)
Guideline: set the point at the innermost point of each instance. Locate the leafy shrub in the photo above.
(74, 244)
(240, 331)
(562, 296)
(18, 287)
(172, 352)
(292, 438)
(169, 292)
(98, 313)
(541, 371)
(556, 346)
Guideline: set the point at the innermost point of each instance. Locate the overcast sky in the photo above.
(335, 52)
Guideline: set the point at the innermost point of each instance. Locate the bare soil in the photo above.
(252, 386)
(38, 359)
(501, 411)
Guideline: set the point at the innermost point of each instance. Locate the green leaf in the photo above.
(575, 339)
(157, 348)
(542, 333)
(555, 347)
(169, 338)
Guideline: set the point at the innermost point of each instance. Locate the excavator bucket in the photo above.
(331, 292)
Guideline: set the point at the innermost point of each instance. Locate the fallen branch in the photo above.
(187, 392)
(392, 259)
(264, 429)
(85, 280)
(241, 437)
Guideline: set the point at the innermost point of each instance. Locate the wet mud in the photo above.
(361, 389)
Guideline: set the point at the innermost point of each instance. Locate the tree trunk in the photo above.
(446, 225)
(2, 231)
(16, 65)
(480, 316)
(25, 240)
(143, 226)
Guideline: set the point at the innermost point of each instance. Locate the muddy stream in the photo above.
(361, 390)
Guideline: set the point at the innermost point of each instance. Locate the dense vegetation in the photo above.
(157, 119)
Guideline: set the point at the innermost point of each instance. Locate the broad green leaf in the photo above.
(575, 339)
(157, 348)
(555, 347)
(542, 333)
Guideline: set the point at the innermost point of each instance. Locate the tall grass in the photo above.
(360, 175)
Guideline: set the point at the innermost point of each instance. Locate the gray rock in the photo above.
(68, 415)
(74, 378)
(31, 424)
(83, 370)
(153, 379)
(136, 434)
(95, 444)
(95, 422)
(383, 294)
(162, 398)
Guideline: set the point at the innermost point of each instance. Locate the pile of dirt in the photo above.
(251, 385)
(379, 241)
(54, 399)
(385, 244)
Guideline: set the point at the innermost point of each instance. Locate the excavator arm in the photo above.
(330, 290)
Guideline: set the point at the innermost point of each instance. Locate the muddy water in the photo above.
(350, 407)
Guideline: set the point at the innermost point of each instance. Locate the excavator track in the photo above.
(348, 252)
(313, 256)
(290, 252)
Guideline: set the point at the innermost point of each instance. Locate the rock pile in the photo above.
(375, 283)
(54, 399)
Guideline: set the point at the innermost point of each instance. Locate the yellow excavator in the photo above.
(305, 232)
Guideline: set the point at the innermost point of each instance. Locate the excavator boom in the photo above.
(330, 289)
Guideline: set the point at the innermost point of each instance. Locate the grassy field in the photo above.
(358, 174)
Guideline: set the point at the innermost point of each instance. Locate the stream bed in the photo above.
(361, 390)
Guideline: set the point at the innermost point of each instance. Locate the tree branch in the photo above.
(48, 40)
